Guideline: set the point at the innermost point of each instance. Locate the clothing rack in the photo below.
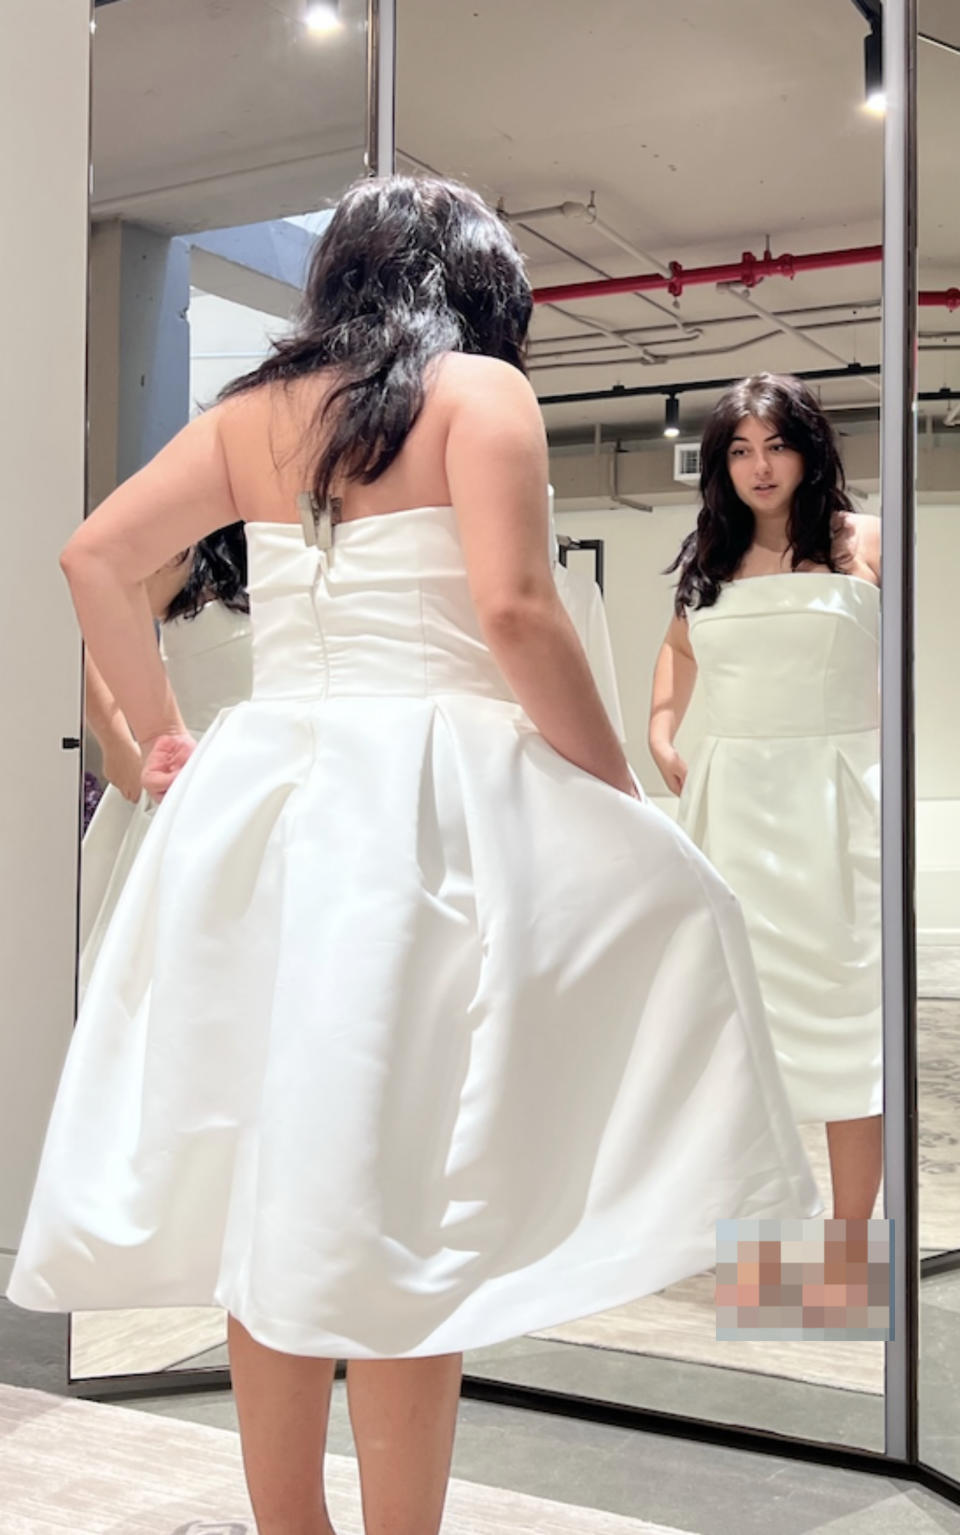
(593, 546)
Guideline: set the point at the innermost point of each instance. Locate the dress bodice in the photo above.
(386, 610)
(790, 655)
(209, 662)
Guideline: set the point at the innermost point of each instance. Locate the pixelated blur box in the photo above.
(804, 1279)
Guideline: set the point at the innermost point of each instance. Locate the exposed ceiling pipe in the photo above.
(608, 330)
(555, 210)
(612, 490)
(748, 271)
(630, 502)
(536, 364)
(743, 297)
(582, 357)
(673, 320)
(568, 360)
(946, 298)
(651, 335)
(588, 213)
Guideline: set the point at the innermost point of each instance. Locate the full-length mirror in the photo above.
(636, 168)
(222, 134)
(938, 734)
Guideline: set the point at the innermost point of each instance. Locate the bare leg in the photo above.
(404, 1416)
(283, 1403)
(856, 1165)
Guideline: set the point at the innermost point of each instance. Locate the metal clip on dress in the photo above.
(318, 519)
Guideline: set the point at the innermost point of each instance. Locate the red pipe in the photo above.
(934, 299)
(749, 270)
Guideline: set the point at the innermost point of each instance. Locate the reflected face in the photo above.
(765, 472)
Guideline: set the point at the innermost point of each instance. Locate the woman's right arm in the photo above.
(674, 679)
(496, 466)
(122, 758)
(104, 717)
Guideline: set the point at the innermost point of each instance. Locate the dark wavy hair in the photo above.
(218, 572)
(407, 269)
(714, 551)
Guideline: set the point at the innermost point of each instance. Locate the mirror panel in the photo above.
(616, 150)
(223, 133)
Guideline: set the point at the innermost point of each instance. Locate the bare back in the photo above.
(270, 441)
(479, 446)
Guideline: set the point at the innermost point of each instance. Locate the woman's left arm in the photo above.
(182, 495)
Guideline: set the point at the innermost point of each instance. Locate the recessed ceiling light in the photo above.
(323, 17)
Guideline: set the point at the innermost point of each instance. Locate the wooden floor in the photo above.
(80, 1468)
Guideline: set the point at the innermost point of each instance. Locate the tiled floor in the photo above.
(688, 1486)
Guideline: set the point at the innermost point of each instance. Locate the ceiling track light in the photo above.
(875, 99)
(322, 17)
(671, 420)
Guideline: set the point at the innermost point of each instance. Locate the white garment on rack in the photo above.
(583, 600)
(209, 661)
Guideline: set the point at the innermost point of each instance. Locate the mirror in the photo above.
(614, 151)
(938, 735)
(222, 132)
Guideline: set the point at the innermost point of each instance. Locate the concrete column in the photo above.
(139, 349)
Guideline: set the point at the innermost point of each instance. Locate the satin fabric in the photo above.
(583, 600)
(408, 1036)
(784, 799)
(209, 661)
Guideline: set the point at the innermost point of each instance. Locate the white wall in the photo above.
(44, 71)
(938, 723)
(639, 545)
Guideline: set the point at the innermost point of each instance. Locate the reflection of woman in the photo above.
(200, 600)
(417, 1028)
(777, 610)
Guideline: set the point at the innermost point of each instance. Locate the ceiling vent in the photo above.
(686, 463)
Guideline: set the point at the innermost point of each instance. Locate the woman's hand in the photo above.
(163, 758)
(122, 766)
(673, 769)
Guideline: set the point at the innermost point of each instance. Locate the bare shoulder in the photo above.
(867, 528)
(463, 377)
(857, 542)
(239, 411)
(867, 539)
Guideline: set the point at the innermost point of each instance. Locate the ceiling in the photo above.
(702, 130)
(210, 113)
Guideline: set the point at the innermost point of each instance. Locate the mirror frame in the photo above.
(900, 1456)
(379, 158)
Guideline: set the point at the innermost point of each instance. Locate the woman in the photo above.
(199, 600)
(777, 612)
(419, 1029)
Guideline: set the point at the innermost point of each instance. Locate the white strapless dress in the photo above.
(784, 799)
(408, 1036)
(209, 660)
